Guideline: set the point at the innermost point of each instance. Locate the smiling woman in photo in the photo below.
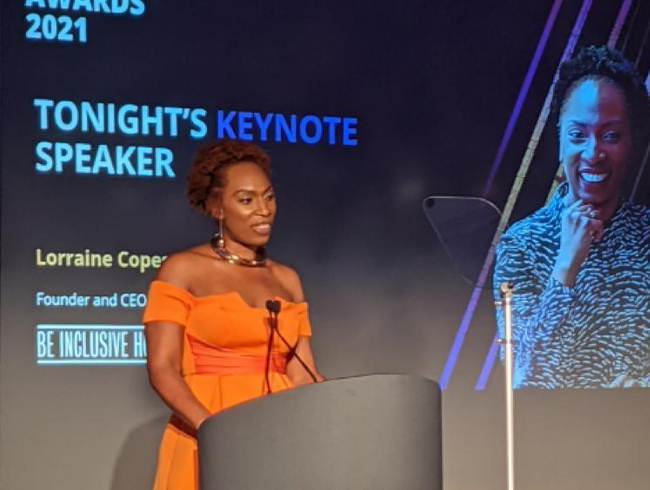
(581, 264)
(206, 320)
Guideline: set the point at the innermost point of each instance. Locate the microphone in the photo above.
(273, 308)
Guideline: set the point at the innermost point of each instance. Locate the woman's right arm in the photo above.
(165, 340)
(164, 354)
(541, 314)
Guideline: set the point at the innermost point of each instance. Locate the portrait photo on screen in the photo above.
(580, 265)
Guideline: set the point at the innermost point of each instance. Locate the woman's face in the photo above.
(595, 141)
(247, 205)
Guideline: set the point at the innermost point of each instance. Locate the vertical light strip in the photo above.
(637, 7)
(616, 30)
(611, 43)
(646, 156)
(637, 181)
(644, 163)
(523, 93)
(644, 42)
(523, 170)
(487, 365)
(618, 24)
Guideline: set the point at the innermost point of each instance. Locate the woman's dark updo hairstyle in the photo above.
(593, 63)
(207, 174)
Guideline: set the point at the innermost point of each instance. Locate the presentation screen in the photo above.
(419, 163)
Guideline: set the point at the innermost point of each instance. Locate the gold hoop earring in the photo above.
(219, 235)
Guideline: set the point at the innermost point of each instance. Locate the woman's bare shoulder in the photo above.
(290, 280)
(181, 268)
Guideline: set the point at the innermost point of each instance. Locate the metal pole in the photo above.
(506, 290)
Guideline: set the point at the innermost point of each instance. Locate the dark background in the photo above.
(432, 84)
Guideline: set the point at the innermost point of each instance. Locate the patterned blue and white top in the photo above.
(594, 335)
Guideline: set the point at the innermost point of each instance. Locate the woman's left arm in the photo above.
(295, 370)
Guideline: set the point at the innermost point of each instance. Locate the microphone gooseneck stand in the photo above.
(269, 348)
(273, 308)
(506, 289)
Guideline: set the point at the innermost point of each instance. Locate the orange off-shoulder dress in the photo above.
(224, 357)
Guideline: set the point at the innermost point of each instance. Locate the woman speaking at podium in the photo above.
(210, 342)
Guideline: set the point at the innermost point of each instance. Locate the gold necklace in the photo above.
(219, 246)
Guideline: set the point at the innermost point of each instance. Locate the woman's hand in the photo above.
(296, 372)
(581, 226)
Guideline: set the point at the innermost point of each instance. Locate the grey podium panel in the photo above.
(379, 432)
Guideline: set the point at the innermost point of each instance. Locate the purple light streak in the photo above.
(523, 92)
(618, 25)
